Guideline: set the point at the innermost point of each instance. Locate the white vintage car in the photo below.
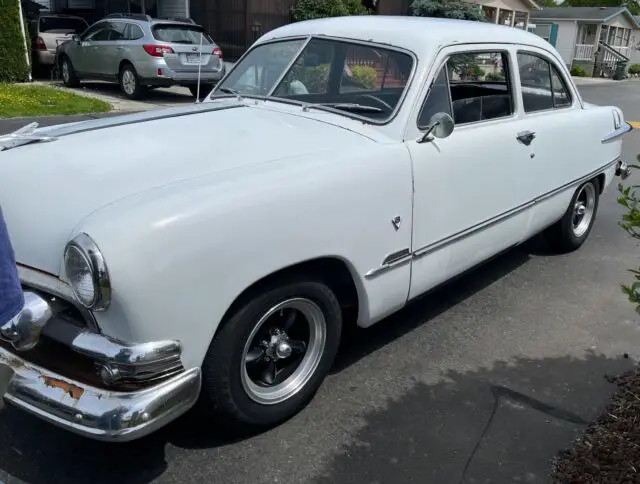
(214, 253)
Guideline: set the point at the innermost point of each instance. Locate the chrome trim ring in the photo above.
(584, 209)
(283, 351)
(99, 273)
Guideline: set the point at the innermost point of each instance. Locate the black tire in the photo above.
(68, 73)
(225, 396)
(204, 90)
(563, 235)
(130, 82)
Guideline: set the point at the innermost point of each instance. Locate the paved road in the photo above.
(482, 381)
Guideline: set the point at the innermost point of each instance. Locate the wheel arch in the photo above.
(334, 271)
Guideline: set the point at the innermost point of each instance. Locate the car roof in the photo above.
(417, 34)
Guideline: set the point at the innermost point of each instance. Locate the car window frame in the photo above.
(552, 64)
(509, 71)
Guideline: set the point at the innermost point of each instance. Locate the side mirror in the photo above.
(440, 126)
(75, 38)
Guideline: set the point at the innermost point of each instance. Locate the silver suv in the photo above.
(138, 52)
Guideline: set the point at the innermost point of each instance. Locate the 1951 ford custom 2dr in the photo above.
(344, 166)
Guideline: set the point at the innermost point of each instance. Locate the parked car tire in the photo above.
(130, 82)
(572, 230)
(68, 73)
(272, 354)
(205, 89)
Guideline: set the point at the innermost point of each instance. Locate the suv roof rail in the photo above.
(133, 16)
(187, 20)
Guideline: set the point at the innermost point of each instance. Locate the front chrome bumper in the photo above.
(93, 412)
(163, 390)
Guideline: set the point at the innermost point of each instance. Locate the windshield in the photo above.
(178, 34)
(60, 25)
(362, 79)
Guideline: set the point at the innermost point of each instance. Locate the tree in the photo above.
(13, 63)
(312, 9)
(454, 9)
(631, 223)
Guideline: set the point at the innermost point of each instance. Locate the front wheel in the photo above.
(69, 77)
(572, 230)
(269, 358)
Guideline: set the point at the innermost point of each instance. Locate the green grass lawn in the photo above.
(30, 100)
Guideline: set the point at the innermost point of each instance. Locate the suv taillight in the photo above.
(40, 45)
(157, 50)
(217, 51)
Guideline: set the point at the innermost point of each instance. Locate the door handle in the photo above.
(526, 137)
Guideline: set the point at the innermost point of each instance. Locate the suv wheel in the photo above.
(130, 82)
(69, 77)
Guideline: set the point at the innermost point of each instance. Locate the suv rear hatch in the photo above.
(191, 44)
(56, 30)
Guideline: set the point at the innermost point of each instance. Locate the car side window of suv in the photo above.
(117, 31)
(543, 87)
(132, 32)
(88, 34)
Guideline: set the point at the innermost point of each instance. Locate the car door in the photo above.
(563, 140)
(112, 49)
(468, 200)
(78, 51)
(92, 43)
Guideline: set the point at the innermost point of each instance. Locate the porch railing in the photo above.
(584, 52)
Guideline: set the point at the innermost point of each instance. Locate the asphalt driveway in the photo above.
(483, 381)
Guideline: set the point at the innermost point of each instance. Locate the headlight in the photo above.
(87, 273)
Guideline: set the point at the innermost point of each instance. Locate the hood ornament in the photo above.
(23, 136)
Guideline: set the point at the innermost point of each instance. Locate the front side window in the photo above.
(362, 79)
(542, 85)
(470, 87)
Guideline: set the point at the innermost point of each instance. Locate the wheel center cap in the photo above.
(283, 350)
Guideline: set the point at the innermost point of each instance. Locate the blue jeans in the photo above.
(11, 296)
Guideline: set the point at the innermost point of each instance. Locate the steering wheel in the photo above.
(380, 102)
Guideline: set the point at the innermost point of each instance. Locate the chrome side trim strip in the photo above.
(618, 133)
(390, 262)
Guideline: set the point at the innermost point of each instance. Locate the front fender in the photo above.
(178, 256)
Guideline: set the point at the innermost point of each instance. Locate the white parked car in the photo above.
(342, 168)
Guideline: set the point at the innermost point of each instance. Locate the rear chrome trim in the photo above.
(618, 133)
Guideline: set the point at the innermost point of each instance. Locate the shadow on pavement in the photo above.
(505, 423)
(500, 424)
(160, 96)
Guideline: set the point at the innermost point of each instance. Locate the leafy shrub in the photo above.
(364, 75)
(314, 78)
(578, 71)
(494, 76)
(455, 9)
(312, 9)
(634, 69)
(630, 200)
(13, 65)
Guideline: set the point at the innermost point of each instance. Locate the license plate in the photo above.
(193, 58)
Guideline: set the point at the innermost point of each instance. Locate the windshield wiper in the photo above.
(353, 107)
(23, 136)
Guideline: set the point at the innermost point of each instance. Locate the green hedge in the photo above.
(13, 65)
(313, 9)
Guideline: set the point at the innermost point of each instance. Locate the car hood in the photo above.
(47, 189)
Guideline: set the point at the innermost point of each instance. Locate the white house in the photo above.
(592, 37)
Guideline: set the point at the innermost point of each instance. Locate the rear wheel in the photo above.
(572, 230)
(130, 82)
(68, 74)
(269, 358)
(205, 89)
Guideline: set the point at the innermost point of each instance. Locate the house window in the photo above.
(627, 35)
(520, 20)
(619, 34)
(543, 30)
(505, 17)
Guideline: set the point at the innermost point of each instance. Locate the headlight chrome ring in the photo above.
(87, 273)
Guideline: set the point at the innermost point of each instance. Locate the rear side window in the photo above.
(133, 32)
(181, 34)
(61, 25)
(542, 85)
